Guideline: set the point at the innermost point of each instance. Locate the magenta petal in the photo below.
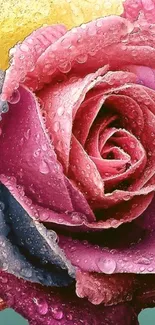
(136, 258)
(83, 170)
(81, 214)
(59, 307)
(61, 102)
(30, 156)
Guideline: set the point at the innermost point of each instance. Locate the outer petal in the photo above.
(84, 50)
(30, 251)
(132, 257)
(54, 307)
(101, 288)
(30, 155)
(31, 150)
(135, 8)
(25, 55)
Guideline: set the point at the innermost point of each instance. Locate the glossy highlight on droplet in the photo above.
(15, 98)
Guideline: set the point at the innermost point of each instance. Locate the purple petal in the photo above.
(138, 257)
(59, 307)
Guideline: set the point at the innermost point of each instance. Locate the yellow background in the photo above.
(18, 18)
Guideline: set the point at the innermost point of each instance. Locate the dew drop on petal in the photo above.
(44, 169)
(5, 267)
(82, 58)
(4, 107)
(24, 47)
(107, 265)
(65, 68)
(4, 280)
(69, 316)
(37, 153)
(15, 98)
(57, 314)
(26, 272)
(27, 134)
(42, 306)
(60, 111)
(143, 260)
(56, 126)
(2, 206)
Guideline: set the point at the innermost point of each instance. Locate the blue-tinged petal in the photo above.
(30, 250)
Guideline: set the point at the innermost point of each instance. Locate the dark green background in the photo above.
(9, 317)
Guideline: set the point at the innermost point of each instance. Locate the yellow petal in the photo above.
(18, 18)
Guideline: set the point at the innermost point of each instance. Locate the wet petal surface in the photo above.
(30, 251)
(54, 307)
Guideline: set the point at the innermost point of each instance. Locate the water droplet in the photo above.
(73, 249)
(27, 134)
(4, 280)
(2, 206)
(45, 215)
(4, 107)
(69, 316)
(36, 153)
(75, 217)
(42, 306)
(57, 314)
(44, 169)
(143, 260)
(44, 147)
(15, 98)
(24, 47)
(82, 58)
(5, 267)
(107, 265)
(26, 272)
(66, 67)
(60, 110)
(127, 197)
(56, 126)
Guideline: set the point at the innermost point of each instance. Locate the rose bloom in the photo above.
(77, 172)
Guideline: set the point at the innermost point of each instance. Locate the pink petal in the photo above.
(30, 156)
(134, 8)
(101, 288)
(92, 143)
(134, 258)
(83, 53)
(75, 218)
(61, 102)
(24, 66)
(84, 172)
(147, 137)
(54, 307)
(86, 115)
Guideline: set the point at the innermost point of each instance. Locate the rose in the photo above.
(77, 115)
